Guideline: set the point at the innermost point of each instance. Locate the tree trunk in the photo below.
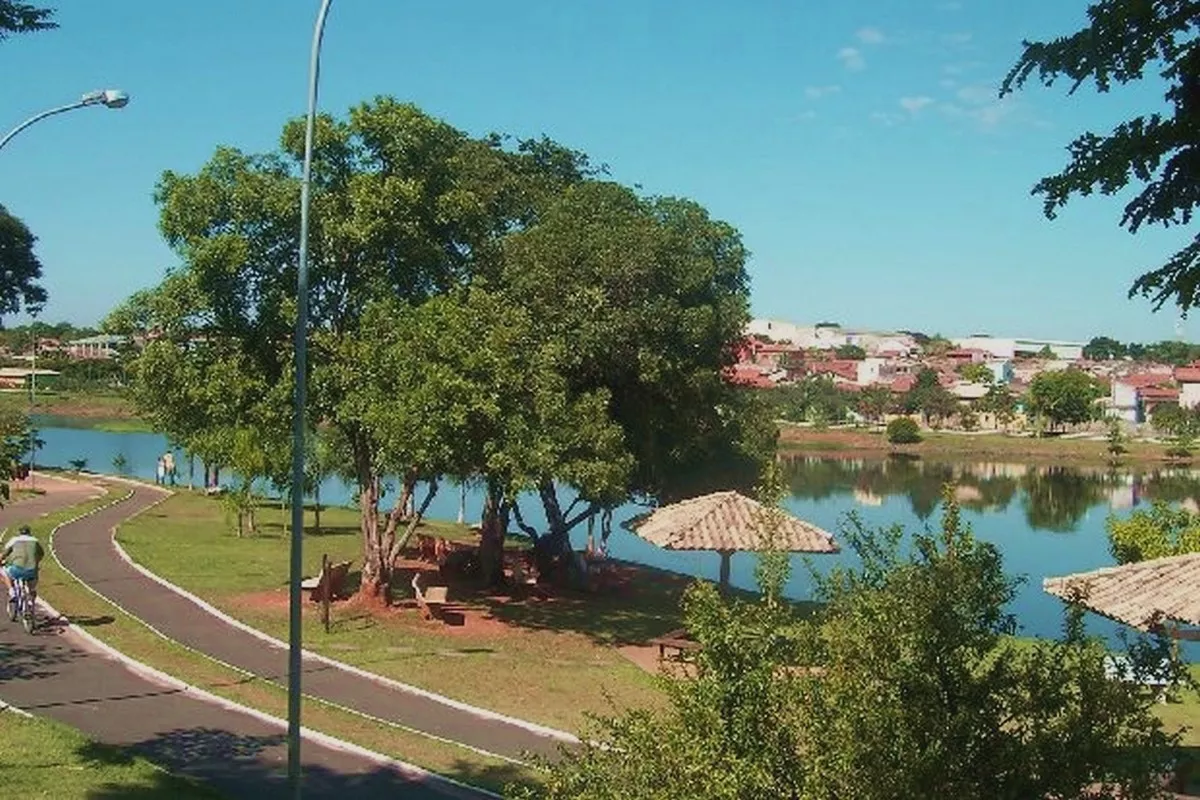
(462, 503)
(317, 507)
(374, 573)
(396, 546)
(191, 472)
(491, 540)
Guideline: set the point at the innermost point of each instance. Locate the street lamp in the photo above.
(295, 659)
(109, 98)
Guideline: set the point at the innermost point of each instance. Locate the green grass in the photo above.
(107, 623)
(41, 758)
(551, 661)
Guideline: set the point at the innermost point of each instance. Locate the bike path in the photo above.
(60, 674)
(86, 548)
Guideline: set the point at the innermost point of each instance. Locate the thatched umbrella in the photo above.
(1142, 595)
(728, 522)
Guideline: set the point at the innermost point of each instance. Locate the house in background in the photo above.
(1188, 379)
(103, 346)
(1133, 397)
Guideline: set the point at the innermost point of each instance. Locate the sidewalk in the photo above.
(86, 548)
(59, 674)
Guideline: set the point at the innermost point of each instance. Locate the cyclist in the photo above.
(21, 558)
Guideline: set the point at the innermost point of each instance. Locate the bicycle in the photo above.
(23, 604)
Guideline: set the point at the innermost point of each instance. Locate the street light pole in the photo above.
(32, 399)
(109, 98)
(295, 660)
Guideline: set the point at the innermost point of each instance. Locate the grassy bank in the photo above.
(109, 624)
(106, 412)
(863, 442)
(550, 661)
(40, 758)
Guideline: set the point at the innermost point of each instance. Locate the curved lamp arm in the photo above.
(111, 98)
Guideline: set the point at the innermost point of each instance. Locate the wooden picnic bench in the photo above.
(676, 640)
(329, 585)
(432, 601)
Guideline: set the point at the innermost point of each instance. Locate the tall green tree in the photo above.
(976, 373)
(1064, 397)
(1155, 533)
(631, 307)
(1156, 151)
(24, 18)
(1104, 348)
(20, 269)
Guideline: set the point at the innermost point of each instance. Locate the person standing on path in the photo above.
(160, 470)
(168, 461)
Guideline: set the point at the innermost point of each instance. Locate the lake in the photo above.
(1047, 520)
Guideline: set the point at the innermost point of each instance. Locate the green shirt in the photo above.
(24, 551)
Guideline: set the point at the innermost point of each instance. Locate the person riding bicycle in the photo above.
(21, 558)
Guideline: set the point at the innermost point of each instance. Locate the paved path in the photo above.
(59, 674)
(86, 548)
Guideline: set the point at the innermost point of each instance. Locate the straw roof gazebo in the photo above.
(728, 522)
(1142, 595)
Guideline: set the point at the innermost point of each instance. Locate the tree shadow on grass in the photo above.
(237, 765)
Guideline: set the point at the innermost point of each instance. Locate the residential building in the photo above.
(19, 377)
(95, 347)
(1188, 379)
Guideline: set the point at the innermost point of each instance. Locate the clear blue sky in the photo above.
(859, 147)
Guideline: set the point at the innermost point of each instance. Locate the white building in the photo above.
(1007, 348)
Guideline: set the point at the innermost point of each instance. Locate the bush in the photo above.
(903, 430)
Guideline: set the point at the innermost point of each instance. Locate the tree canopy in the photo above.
(20, 269)
(481, 309)
(1156, 151)
(1063, 397)
(24, 18)
(1160, 531)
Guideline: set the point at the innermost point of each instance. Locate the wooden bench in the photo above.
(676, 640)
(431, 601)
(329, 585)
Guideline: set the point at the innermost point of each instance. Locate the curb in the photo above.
(483, 713)
(154, 675)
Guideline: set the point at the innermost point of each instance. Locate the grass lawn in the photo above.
(548, 661)
(799, 440)
(41, 758)
(99, 411)
(107, 623)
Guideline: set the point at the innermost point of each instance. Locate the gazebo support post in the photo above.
(726, 559)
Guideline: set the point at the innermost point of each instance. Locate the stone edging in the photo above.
(150, 673)
(483, 713)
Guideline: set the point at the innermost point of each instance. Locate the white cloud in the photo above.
(978, 94)
(851, 58)
(870, 35)
(914, 104)
(817, 92)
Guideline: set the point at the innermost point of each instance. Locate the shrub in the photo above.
(903, 430)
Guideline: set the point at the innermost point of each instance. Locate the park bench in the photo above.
(432, 601)
(676, 640)
(329, 585)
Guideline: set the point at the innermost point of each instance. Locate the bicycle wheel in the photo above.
(27, 620)
(12, 609)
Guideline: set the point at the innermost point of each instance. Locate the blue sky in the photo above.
(859, 147)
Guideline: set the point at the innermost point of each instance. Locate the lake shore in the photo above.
(105, 412)
(797, 440)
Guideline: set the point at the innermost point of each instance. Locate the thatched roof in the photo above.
(1138, 594)
(727, 521)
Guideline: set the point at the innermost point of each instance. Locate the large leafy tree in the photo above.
(1157, 151)
(1063, 397)
(20, 268)
(1155, 533)
(601, 319)
(24, 18)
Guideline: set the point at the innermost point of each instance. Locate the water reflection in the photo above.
(1050, 497)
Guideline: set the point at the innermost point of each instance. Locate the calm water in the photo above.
(1046, 520)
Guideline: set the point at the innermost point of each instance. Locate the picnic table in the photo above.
(676, 640)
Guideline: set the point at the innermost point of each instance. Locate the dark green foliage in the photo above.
(903, 430)
(24, 18)
(1156, 151)
(1064, 397)
(20, 269)
(1158, 532)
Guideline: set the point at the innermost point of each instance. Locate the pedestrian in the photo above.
(168, 460)
(160, 470)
